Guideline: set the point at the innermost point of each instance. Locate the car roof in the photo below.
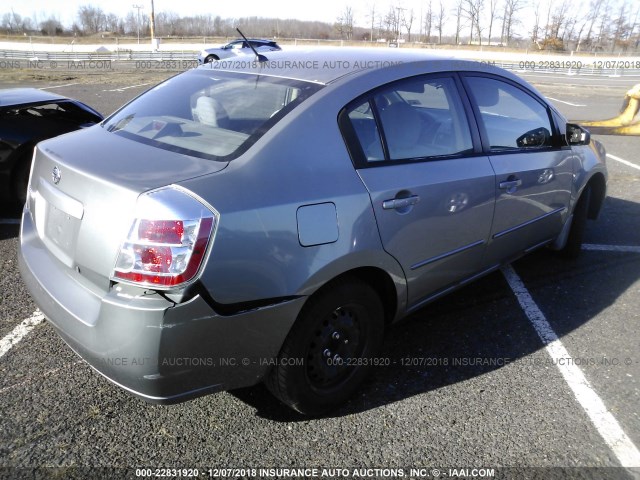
(261, 40)
(20, 96)
(327, 64)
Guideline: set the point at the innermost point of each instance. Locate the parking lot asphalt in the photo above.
(469, 384)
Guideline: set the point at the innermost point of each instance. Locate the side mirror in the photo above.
(577, 135)
(538, 137)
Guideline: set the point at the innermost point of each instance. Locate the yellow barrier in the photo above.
(622, 124)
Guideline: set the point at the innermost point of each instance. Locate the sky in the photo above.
(65, 10)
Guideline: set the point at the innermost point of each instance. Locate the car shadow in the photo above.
(481, 328)
(9, 219)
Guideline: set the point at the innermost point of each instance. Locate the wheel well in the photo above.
(598, 192)
(381, 282)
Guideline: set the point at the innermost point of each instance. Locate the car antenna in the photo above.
(260, 58)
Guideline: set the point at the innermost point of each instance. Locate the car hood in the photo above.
(213, 49)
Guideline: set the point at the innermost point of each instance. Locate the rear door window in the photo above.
(414, 119)
(366, 130)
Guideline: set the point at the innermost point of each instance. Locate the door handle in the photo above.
(511, 185)
(398, 203)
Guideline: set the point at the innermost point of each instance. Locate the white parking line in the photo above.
(623, 161)
(122, 89)
(20, 331)
(611, 248)
(59, 86)
(9, 221)
(566, 103)
(608, 427)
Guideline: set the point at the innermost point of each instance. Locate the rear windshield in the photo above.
(56, 111)
(209, 114)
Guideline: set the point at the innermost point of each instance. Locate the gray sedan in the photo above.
(268, 223)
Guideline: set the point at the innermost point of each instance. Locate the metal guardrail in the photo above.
(182, 60)
(84, 61)
(589, 68)
(118, 56)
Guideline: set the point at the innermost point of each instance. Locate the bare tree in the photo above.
(569, 29)
(51, 27)
(509, 19)
(548, 22)
(579, 36)
(623, 29)
(407, 22)
(473, 9)
(428, 22)
(14, 22)
(603, 31)
(131, 25)
(459, 12)
(113, 23)
(372, 16)
(392, 22)
(382, 26)
(536, 25)
(634, 25)
(7, 22)
(493, 4)
(439, 20)
(559, 20)
(168, 23)
(560, 26)
(92, 19)
(344, 23)
(594, 13)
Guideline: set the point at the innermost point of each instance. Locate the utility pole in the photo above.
(152, 22)
(398, 21)
(138, 7)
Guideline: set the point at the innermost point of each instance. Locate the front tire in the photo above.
(326, 356)
(576, 234)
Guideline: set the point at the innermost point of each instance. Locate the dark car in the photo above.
(28, 115)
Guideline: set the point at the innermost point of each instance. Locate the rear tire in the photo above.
(324, 358)
(576, 234)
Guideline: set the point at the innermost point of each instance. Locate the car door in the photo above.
(533, 166)
(239, 47)
(431, 189)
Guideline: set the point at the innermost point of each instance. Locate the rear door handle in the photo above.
(398, 203)
(511, 185)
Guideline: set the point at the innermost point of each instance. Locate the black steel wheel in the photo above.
(328, 351)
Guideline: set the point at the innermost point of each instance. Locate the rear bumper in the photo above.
(158, 350)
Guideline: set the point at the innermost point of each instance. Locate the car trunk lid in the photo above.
(83, 192)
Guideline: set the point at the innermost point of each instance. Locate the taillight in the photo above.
(168, 240)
